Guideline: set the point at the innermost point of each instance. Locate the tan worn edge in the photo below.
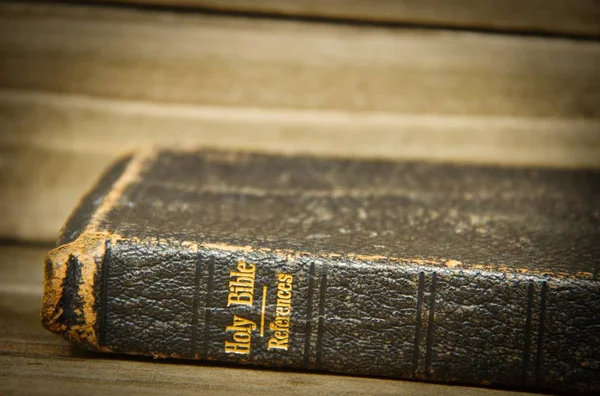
(88, 250)
(441, 263)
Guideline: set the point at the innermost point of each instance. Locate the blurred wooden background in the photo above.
(498, 82)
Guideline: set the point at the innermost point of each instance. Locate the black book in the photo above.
(437, 272)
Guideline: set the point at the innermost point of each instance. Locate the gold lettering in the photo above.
(241, 287)
(241, 292)
(286, 278)
(242, 336)
(280, 326)
(273, 326)
(274, 343)
(283, 302)
(234, 347)
(242, 298)
(283, 311)
(282, 322)
(239, 322)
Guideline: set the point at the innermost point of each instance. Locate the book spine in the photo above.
(346, 314)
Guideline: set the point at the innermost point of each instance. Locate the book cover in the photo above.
(437, 272)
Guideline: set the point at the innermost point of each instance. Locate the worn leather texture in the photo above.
(439, 272)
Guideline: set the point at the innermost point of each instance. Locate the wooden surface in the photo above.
(34, 361)
(576, 17)
(205, 60)
(79, 85)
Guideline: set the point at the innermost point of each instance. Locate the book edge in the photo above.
(69, 301)
(73, 269)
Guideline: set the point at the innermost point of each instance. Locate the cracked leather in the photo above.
(439, 272)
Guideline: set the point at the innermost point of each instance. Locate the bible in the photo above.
(428, 271)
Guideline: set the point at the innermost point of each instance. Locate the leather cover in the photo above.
(439, 272)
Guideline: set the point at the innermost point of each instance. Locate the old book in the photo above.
(449, 273)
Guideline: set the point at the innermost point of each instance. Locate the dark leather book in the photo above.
(438, 272)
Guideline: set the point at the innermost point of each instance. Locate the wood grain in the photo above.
(224, 61)
(34, 361)
(83, 124)
(573, 17)
(40, 187)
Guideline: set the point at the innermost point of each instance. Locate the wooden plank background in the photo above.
(79, 85)
(198, 59)
(569, 17)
